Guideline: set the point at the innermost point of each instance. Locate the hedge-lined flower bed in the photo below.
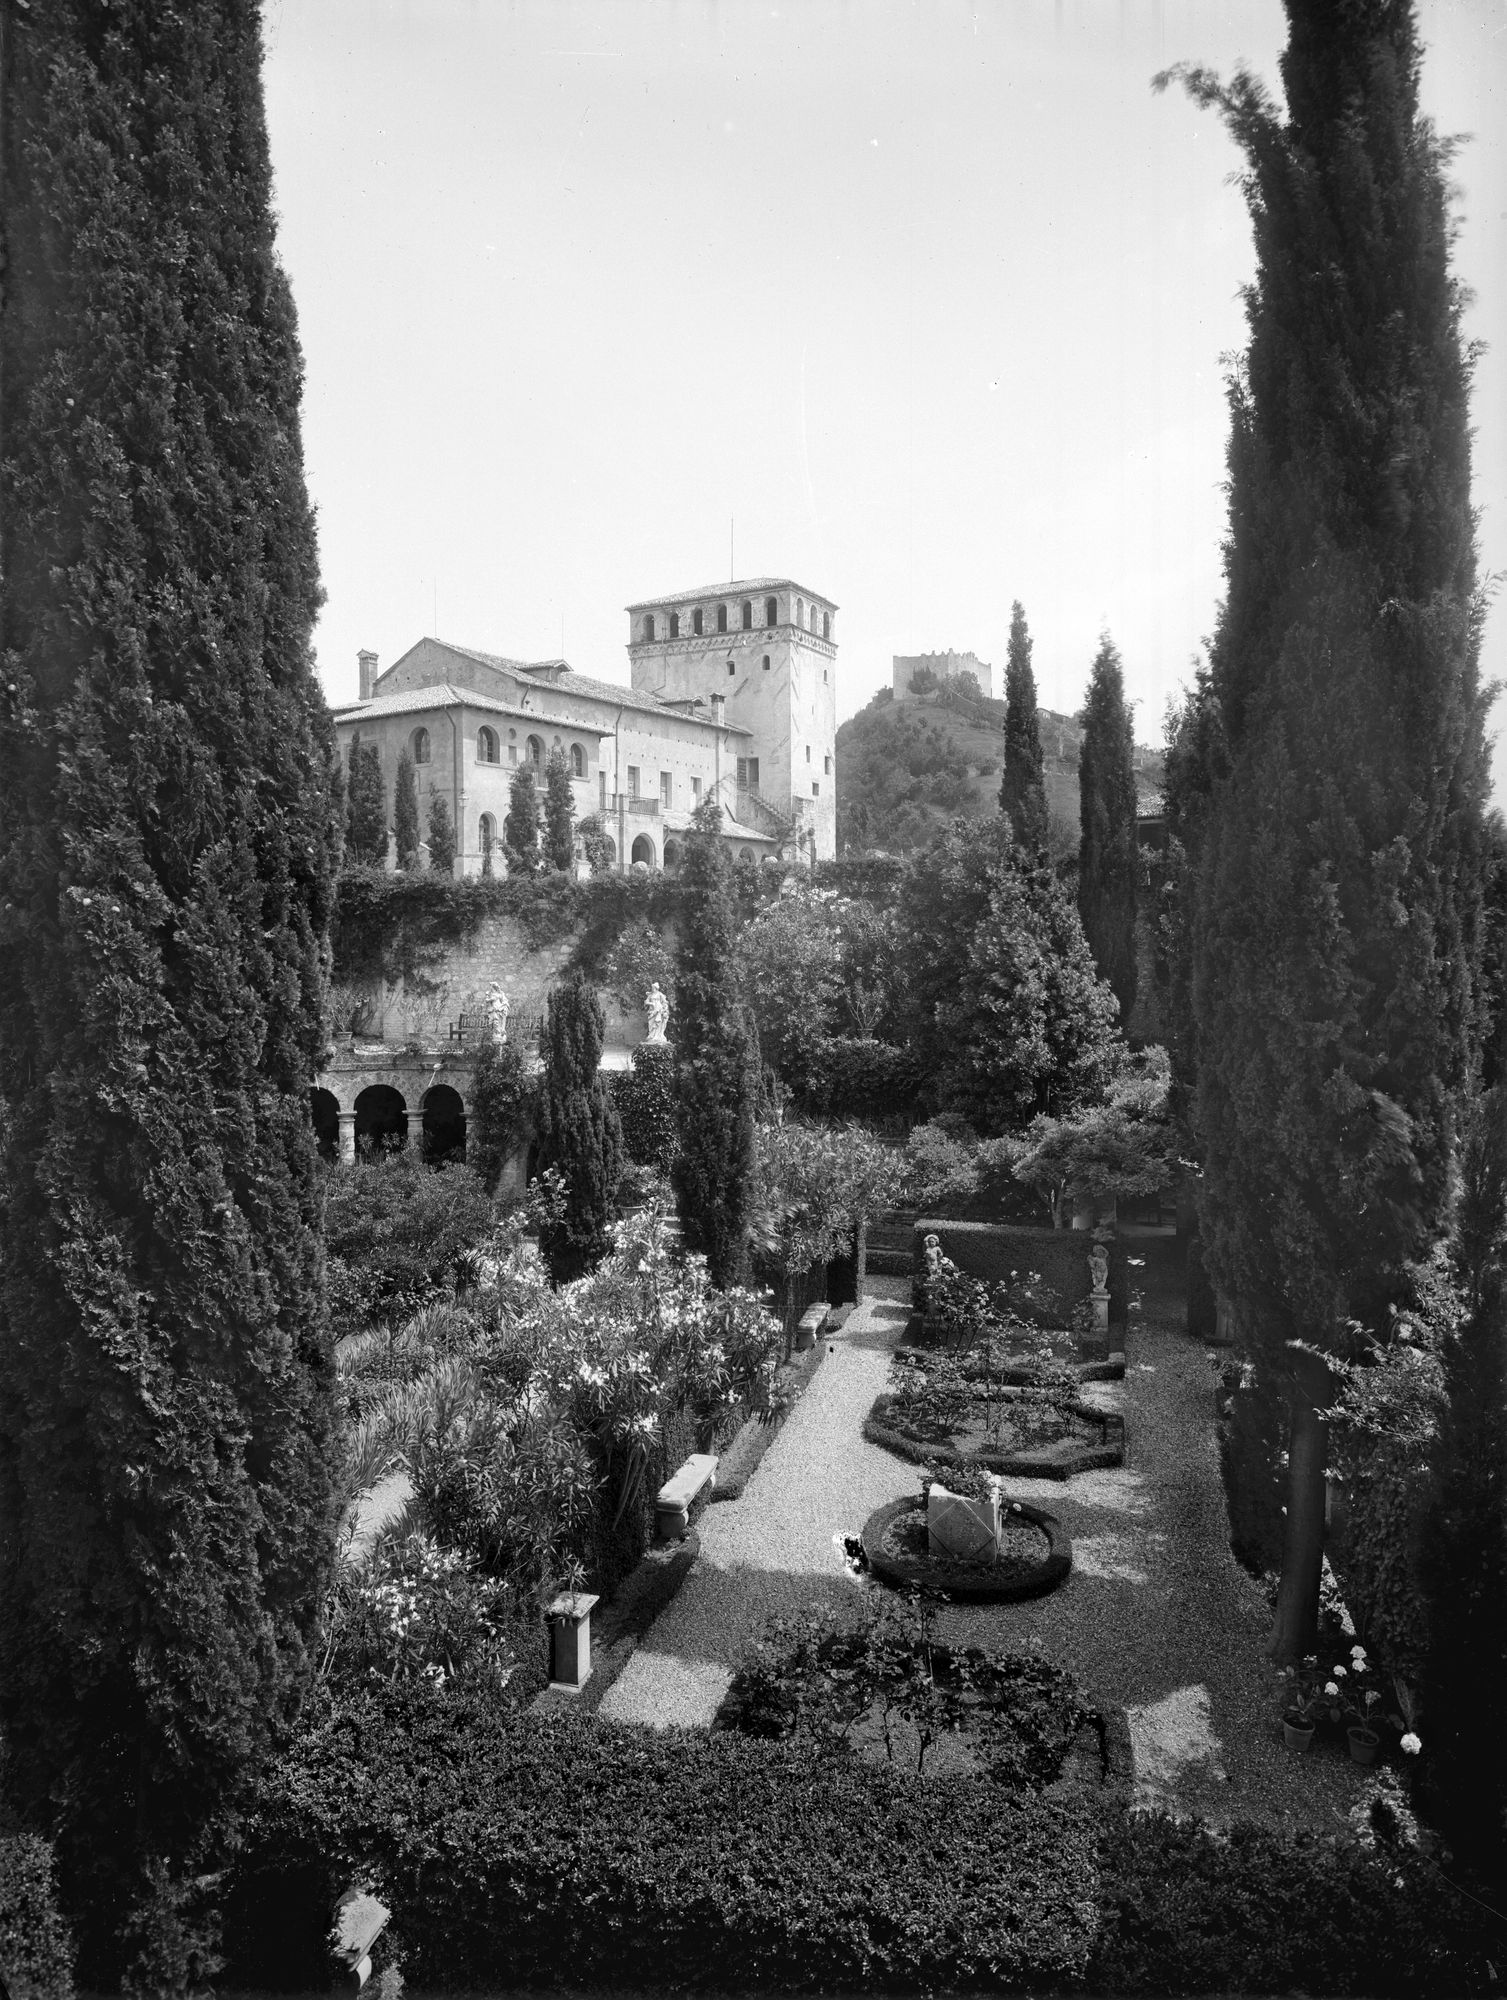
(519, 1850)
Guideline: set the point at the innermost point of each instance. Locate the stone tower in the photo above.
(760, 655)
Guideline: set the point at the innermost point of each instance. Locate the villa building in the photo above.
(733, 697)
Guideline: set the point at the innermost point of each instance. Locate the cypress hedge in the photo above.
(579, 1133)
(405, 813)
(1108, 860)
(167, 850)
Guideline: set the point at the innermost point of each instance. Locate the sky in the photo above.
(923, 304)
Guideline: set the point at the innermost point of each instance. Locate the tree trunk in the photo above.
(1296, 1627)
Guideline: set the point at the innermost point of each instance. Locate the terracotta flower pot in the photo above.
(1363, 1743)
(1296, 1735)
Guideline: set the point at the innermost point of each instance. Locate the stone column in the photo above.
(347, 1138)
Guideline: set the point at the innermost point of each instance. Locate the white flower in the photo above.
(1412, 1744)
(1331, 1687)
(1339, 1673)
(1357, 1655)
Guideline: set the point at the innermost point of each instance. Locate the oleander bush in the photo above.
(36, 1951)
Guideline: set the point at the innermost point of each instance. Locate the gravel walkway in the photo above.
(1157, 1615)
(771, 1551)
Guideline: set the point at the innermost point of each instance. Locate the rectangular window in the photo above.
(748, 774)
(827, 765)
(602, 791)
(816, 790)
(633, 781)
(696, 790)
(666, 788)
(808, 753)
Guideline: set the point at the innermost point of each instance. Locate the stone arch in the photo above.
(486, 745)
(642, 850)
(611, 851)
(381, 1119)
(721, 617)
(748, 614)
(672, 854)
(577, 761)
(826, 625)
(649, 625)
(771, 611)
(324, 1111)
(674, 624)
(444, 1124)
(419, 745)
(745, 854)
(534, 752)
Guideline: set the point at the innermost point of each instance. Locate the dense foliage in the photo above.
(365, 806)
(1022, 792)
(520, 827)
(716, 1062)
(1336, 932)
(167, 847)
(405, 813)
(36, 1950)
(1004, 1007)
(559, 813)
(503, 1098)
(441, 835)
(578, 1132)
(645, 1094)
(1108, 859)
(1107, 1152)
(399, 1235)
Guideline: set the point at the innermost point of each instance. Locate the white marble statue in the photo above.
(1098, 1267)
(497, 1012)
(657, 1013)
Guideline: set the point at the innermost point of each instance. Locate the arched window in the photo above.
(674, 624)
(721, 617)
(800, 611)
(512, 746)
(486, 746)
(766, 663)
(642, 852)
(813, 617)
(420, 742)
(747, 616)
(534, 750)
(577, 761)
(771, 611)
(649, 626)
(826, 625)
(696, 622)
(672, 854)
(732, 668)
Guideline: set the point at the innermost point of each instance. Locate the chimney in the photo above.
(719, 710)
(368, 665)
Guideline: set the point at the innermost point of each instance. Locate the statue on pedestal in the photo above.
(657, 1013)
(498, 1006)
(1098, 1268)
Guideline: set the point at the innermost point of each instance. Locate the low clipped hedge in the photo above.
(512, 1848)
(517, 1849)
(36, 1951)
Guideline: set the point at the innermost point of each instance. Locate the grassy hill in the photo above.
(904, 769)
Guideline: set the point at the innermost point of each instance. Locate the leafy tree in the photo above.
(646, 1105)
(167, 848)
(596, 843)
(441, 836)
(815, 1185)
(559, 813)
(366, 805)
(579, 1133)
(1336, 931)
(790, 957)
(1108, 859)
(405, 813)
(502, 1096)
(1003, 1004)
(1111, 1151)
(716, 1061)
(521, 827)
(400, 1235)
(1022, 792)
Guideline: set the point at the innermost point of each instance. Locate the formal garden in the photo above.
(972, 1460)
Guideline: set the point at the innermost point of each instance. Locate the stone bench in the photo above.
(672, 1507)
(813, 1319)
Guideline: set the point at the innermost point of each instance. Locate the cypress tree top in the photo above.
(1108, 861)
(1022, 792)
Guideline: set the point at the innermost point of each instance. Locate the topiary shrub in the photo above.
(645, 1097)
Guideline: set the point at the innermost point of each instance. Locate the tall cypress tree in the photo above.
(559, 813)
(166, 881)
(1022, 791)
(716, 1060)
(1108, 862)
(1337, 914)
(441, 835)
(405, 813)
(579, 1133)
(365, 805)
(521, 827)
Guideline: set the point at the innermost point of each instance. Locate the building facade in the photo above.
(743, 713)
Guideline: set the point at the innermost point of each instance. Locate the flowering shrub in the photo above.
(418, 1611)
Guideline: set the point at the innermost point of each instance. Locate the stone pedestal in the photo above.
(347, 1138)
(570, 1639)
(1099, 1300)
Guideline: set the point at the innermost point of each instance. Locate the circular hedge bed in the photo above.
(894, 1540)
(1088, 1440)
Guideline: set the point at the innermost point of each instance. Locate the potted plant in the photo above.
(1361, 1701)
(1299, 1717)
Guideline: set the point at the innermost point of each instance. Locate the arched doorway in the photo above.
(324, 1108)
(672, 855)
(381, 1120)
(444, 1125)
(643, 850)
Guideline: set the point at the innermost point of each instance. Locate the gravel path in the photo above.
(771, 1551)
(1157, 1615)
